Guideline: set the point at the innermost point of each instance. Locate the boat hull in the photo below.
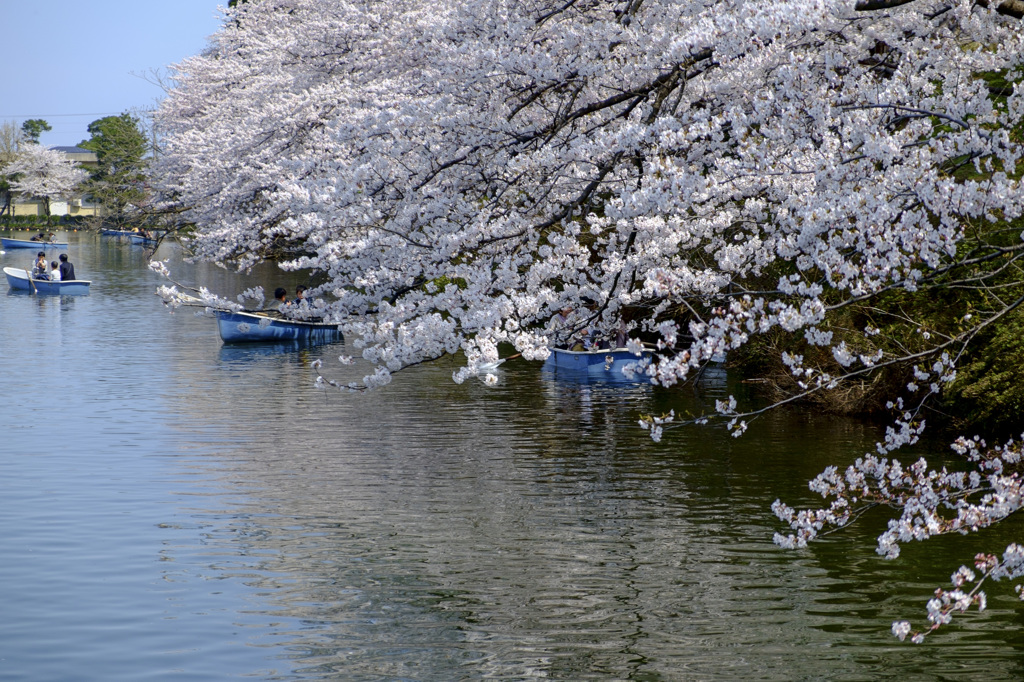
(19, 281)
(249, 327)
(10, 243)
(606, 363)
(132, 237)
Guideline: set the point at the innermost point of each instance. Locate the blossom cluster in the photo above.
(966, 591)
(929, 502)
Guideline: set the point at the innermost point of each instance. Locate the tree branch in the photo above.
(1011, 8)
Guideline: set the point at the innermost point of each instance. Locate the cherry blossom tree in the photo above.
(699, 174)
(43, 173)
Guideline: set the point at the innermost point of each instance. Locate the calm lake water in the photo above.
(172, 508)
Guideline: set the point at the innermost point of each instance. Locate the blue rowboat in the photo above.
(603, 363)
(244, 327)
(132, 237)
(11, 243)
(21, 280)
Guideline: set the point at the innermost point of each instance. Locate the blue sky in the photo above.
(72, 61)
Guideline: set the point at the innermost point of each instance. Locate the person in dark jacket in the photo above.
(67, 270)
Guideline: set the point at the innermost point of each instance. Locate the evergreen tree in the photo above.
(34, 127)
(119, 181)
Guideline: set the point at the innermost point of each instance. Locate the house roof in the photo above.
(78, 154)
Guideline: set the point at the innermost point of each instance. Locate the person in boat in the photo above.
(621, 335)
(67, 270)
(38, 238)
(560, 326)
(588, 340)
(300, 295)
(54, 271)
(571, 336)
(280, 299)
(39, 269)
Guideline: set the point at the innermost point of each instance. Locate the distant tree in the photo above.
(11, 139)
(34, 127)
(118, 183)
(43, 173)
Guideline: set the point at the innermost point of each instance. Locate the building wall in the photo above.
(27, 208)
(83, 210)
(57, 208)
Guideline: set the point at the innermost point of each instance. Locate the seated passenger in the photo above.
(54, 271)
(67, 270)
(560, 327)
(39, 268)
(280, 299)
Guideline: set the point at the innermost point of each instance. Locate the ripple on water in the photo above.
(198, 511)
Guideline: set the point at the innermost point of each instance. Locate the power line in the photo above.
(102, 113)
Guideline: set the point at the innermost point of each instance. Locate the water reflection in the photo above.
(241, 352)
(488, 531)
(199, 511)
(44, 299)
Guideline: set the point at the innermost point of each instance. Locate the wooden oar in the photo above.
(494, 365)
(30, 281)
